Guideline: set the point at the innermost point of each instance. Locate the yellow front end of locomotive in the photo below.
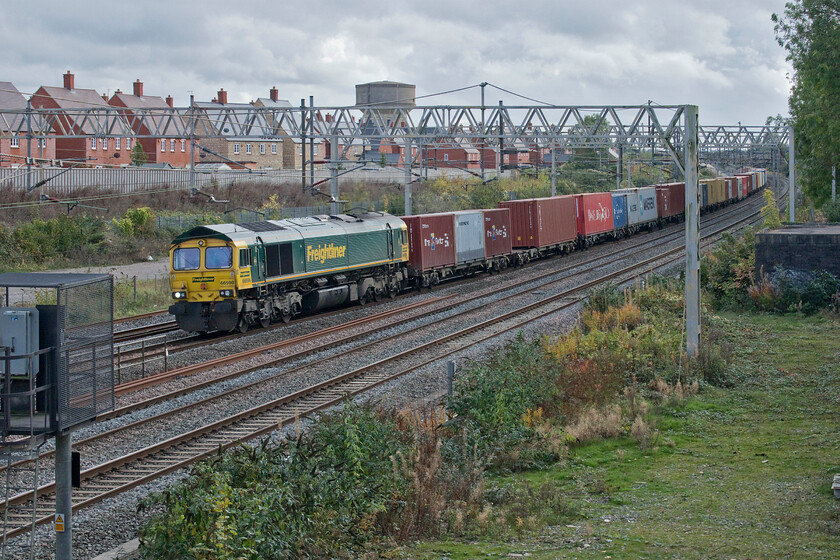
(202, 270)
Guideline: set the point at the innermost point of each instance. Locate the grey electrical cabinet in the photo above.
(19, 332)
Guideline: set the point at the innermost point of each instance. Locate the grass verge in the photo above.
(737, 472)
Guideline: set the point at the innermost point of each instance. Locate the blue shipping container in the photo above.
(619, 201)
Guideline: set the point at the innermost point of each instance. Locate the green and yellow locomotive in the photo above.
(236, 276)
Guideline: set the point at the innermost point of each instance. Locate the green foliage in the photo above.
(817, 293)
(318, 495)
(138, 155)
(135, 221)
(810, 31)
(728, 271)
(39, 240)
(770, 210)
(831, 211)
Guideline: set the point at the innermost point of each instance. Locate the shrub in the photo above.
(831, 211)
(135, 221)
(729, 269)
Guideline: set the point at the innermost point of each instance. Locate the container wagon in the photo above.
(670, 201)
(541, 226)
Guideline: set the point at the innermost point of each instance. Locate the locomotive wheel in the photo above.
(242, 327)
(363, 299)
(391, 291)
(264, 323)
(286, 316)
(375, 296)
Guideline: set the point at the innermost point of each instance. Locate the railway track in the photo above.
(137, 468)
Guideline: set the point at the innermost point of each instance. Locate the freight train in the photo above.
(229, 277)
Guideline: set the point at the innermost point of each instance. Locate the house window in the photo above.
(247, 148)
(301, 150)
(274, 148)
(104, 143)
(236, 148)
(183, 146)
(163, 145)
(42, 142)
(15, 142)
(93, 143)
(445, 157)
(127, 143)
(172, 145)
(116, 143)
(262, 148)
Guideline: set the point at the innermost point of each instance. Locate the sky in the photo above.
(719, 54)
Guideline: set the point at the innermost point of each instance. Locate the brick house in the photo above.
(14, 145)
(174, 151)
(94, 150)
(253, 143)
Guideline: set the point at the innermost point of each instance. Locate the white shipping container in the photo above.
(643, 205)
(469, 236)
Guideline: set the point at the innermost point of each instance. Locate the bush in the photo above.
(831, 211)
(727, 272)
(135, 221)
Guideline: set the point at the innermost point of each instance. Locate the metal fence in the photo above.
(64, 182)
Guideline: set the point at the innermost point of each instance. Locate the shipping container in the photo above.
(497, 232)
(594, 213)
(670, 199)
(731, 188)
(743, 185)
(620, 211)
(704, 195)
(717, 192)
(633, 214)
(431, 241)
(469, 236)
(647, 205)
(542, 222)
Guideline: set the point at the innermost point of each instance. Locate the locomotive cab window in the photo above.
(244, 258)
(218, 257)
(186, 259)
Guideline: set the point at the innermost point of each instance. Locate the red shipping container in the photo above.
(594, 213)
(731, 188)
(431, 241)
(670, 199)
(497, 232)
(540, 222)
(744, 181)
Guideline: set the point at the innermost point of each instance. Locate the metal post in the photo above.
(335, 207)
(302, 145)
(311, 140)
(192, 143)
(618, 165)
(450, 376)
(553, 169)
(692, 234)
(792, 178)
(501, 147)
(29, 145)
(833, 183)
(64, 495)
(629, 176)
(483, 128)
(407, 166)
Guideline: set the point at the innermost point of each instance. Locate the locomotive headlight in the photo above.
(179, 295)
(226, 293)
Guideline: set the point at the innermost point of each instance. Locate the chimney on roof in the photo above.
(138, 88)
(222, 96)
(118, 91)
(272, 93)
(69, 80)
(170, 101)
(105, 96)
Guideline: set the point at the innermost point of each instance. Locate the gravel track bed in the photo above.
(116, 520)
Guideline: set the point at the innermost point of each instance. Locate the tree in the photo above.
(138, 155)
(810, 31)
